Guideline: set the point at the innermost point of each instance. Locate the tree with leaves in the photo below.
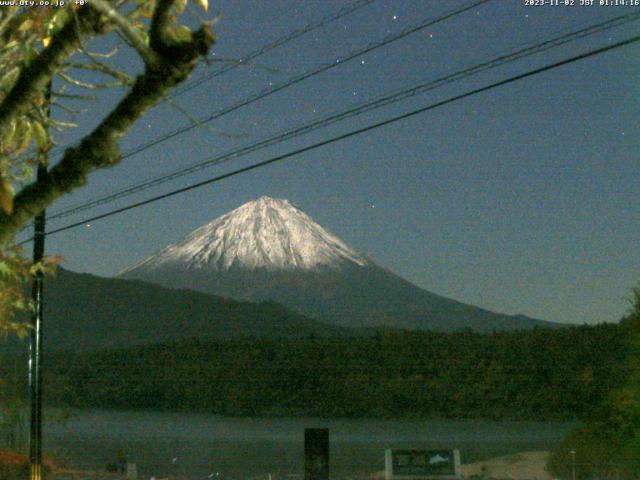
(45, 46)
(608, 444)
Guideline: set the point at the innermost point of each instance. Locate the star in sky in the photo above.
(501, 142)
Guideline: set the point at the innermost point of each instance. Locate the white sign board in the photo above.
(413, 464)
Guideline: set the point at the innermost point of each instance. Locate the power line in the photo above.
(304, 76)
(353, 133)
(273, 45)
(357, 110)
(357, 5)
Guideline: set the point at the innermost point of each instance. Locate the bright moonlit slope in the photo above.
(267, 233)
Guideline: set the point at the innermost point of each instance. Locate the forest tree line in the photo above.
(535, 374)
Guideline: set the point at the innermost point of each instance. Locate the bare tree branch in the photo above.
(99, 66)
(76, 83)
(60, 125)
(95, 55)
(70, 96)
(128, 31)
(34, 78)
(196, 122)
(99, 149)
(89, 86)
(159, 24)
(96, 66)
(67, 109)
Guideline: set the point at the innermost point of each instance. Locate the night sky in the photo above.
(523, 199)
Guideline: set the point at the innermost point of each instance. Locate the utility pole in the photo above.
(35, 344)
(35, 350)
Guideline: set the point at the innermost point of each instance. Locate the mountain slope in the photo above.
(269, 249)
(85, 312)
(350, 297)
(266, 234)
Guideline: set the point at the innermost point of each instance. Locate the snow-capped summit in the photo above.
(270, 250)
(267, 233)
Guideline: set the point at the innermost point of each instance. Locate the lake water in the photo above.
(201, 446)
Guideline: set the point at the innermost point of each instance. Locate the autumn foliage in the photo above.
(44, 59)
(607, 445)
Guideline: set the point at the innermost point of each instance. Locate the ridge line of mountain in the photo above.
(269, 249)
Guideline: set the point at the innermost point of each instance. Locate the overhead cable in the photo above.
(353, 111)
(248, 58)
(353, 133)
(305, 76)
(271, 46)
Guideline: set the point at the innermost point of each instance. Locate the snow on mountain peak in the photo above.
(266, 233)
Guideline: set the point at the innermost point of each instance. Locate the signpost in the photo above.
(422, 464)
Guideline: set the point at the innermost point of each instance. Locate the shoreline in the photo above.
(528, 465)
(519, 466)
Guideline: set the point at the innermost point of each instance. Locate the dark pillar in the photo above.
(316, 454)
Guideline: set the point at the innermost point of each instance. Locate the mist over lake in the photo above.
(199, 446)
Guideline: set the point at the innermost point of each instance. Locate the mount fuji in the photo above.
(269, 249)
(268, 234)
